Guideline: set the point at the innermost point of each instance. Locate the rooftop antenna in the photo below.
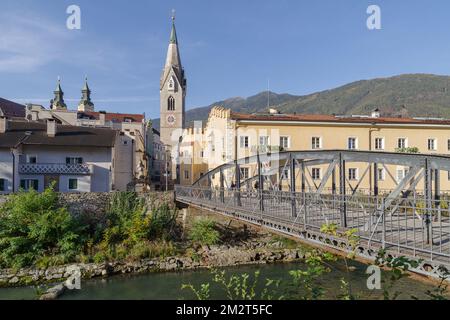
(173, 15)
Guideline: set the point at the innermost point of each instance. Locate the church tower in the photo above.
(172, 94)
(57, 103)
(85, 102)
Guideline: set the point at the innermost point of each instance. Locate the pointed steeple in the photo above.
(85, 102)
(173, 34)
(173, 60)
(58, 101)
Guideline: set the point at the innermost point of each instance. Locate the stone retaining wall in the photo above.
(96, 203)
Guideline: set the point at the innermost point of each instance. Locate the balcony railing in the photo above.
(55, 168)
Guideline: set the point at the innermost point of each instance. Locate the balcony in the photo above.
(55, 168)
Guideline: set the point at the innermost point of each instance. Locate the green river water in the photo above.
(163, 286)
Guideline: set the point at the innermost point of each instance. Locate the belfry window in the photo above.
(171, 104)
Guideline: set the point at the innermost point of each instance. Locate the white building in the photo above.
(37, 155)
(131, 160)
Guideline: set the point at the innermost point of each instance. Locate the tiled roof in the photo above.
(35, 133)
(115, 117)
(336, 119)
(11, 109)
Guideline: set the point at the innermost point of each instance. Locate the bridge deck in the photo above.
(400, 229)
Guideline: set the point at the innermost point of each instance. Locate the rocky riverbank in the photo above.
(204, 257)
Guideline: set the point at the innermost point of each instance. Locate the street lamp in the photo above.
(167, 159)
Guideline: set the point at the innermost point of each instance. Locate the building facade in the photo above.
(228, 136)
(73, 159)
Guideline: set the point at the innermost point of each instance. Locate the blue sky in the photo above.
(228, 48)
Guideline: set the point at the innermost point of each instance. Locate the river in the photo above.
(162, 286)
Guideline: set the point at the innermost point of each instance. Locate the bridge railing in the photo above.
(405, 225)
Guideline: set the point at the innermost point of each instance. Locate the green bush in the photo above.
(32, 227)
(204, 232)
(162, 222)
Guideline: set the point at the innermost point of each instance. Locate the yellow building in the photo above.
(228, 136)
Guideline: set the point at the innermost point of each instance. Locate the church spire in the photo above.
(173, 60)
(86, 102)
(173, 34)
(58, 101)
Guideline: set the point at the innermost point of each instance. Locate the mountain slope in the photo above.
(423, 95)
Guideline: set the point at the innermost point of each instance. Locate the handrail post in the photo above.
(222, 187)
(292, 172)
(428, 198)
(260, 185)
(238, 184)
(304, 203)
(383, 217)
(342, 190)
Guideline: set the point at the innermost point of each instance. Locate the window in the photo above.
(448, 144)
(316, 143)
(32, 159)
(402, 143)
(401, 173)
(263, 140)
(244, 142)
(352, 143)
(379, 144)
(171, 84)
(432, 144)
(245, 173)
(74, 160)
(380, 174)
(352, 174)
(286, 173)
(315, 173)
(284, 142)
(2, 184)
(202, 154)
(171, 104)
(73, 184)
(186, 174)
(27, 184)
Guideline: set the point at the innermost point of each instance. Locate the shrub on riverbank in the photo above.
(33, 228)
(204, 232)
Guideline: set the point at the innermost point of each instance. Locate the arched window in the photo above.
(171, 104)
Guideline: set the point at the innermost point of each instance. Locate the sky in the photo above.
(228, 48)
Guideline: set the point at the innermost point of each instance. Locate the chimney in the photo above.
(3, 124)
(376, 113)
(51, 128)
(102, 117)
